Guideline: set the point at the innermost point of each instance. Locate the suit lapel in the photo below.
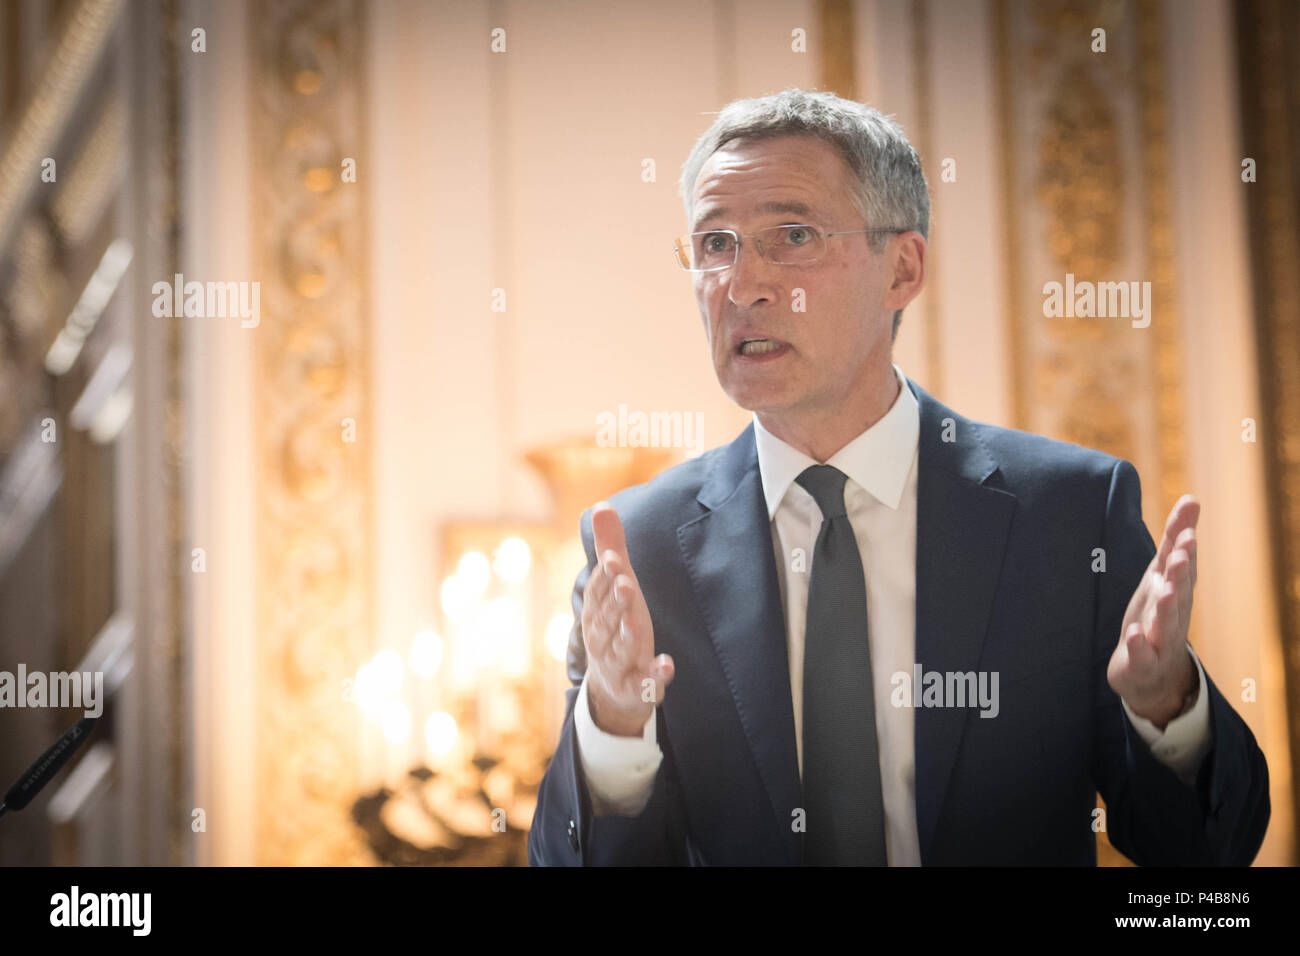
(728, 554)
(961, 533)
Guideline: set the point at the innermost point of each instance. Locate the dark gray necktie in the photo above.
(841, 758)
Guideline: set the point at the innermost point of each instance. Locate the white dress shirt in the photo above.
(880, 500)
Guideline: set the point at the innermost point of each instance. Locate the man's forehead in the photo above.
(707, 214)
(806, 195)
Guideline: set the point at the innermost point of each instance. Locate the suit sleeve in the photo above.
(565, 830)
(1153, 817)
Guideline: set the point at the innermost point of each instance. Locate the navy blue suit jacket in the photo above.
(1006, 526)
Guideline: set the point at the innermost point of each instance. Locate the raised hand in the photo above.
(619, 637)
(1150, 668)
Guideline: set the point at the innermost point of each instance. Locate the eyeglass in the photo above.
(791, 245)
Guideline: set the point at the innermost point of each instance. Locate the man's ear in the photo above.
(906, 254)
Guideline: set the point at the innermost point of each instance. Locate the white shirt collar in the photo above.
(878, 460)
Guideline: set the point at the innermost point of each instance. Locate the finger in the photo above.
(637, 632)
(633, 660)
(1184, 514)
(1164, 624)
(617, 597)
(597, 638)
(1180, 574)
(598, 584)
(1141, 656)
(624, 644)
(1153, 586)
(607, 529)
(597, 622)
(626, 593)
(602, 602)
(613, 563)
(1190, 547)
(1137, 610)
(1151, 604)
(618, 568)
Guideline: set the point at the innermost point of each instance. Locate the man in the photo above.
(871, 630)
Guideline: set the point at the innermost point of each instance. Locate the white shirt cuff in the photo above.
(1186, 739)
(620, 771)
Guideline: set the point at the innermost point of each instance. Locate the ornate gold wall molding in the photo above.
(312, 351)
(1167, 364)
(1085, 172)
(1080, 180)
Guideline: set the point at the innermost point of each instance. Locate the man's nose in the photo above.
(751, 278)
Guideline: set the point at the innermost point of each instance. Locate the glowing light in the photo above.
(460, 660)
(500, 637)
(396, 721)
(557, 635)
(474, 571)
(378, 681)
(426, 653)
(458, 599)
(513, 559)
(440, 733)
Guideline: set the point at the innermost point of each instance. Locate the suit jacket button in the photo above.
(573, 836)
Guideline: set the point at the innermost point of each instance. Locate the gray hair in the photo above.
(892, 189)
(891, 185)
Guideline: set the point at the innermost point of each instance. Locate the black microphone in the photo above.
(47, 765)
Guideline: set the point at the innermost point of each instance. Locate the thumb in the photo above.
(663, 669)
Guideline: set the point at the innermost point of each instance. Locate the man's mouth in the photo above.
(758, 346)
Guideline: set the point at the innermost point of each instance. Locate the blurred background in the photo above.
(321, 548)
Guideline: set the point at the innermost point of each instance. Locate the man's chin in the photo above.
(757, 401)
(755, 391)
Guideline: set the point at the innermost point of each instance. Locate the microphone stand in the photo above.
(46, 766)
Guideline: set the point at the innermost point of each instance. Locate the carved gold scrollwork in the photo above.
(314, 590)
(1080, 179)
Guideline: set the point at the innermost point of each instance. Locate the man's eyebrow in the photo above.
(792, 206)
